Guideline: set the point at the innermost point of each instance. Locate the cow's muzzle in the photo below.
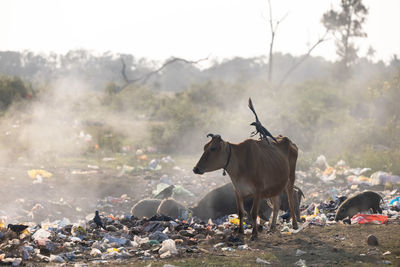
(196, 170)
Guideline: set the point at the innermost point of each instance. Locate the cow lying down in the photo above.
(215, 204)
(221, 201)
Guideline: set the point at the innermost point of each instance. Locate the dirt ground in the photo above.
(75, 192)
(336, 245)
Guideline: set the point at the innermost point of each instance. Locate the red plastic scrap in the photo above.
(369, 219)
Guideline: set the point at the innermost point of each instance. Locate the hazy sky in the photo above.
(158, 29)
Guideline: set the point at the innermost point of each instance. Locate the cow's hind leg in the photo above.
(254, 214)
(297, 198)
(275, 204)
(289, 191)
(241, 211)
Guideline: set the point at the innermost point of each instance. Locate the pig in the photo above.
(172, 208)
(361, 202)
(145, 208)
(221, 201)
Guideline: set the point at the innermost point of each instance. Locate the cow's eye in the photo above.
(213, 149)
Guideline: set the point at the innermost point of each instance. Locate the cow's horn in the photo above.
(210, 135)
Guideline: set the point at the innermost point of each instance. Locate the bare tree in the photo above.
(273, 29)
(144, 78)
(302, 59)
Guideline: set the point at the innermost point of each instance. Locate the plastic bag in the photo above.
(397, 199)
(369, 219)
(381, 177)
(168, 245)
(356, 180)
(181, 192)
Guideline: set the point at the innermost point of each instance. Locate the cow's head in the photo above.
(216, 155)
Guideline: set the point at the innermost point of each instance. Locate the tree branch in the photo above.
(303, 58)
(147, 76)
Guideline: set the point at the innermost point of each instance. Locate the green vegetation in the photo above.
(356, 120)
(12, 90)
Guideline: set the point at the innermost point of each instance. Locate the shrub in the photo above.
(12, 89)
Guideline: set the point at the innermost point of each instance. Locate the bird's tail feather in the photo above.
(252, 109)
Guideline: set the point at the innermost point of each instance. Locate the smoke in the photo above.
(54, 132)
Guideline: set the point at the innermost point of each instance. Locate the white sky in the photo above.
(159, 29)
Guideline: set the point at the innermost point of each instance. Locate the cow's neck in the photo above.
(233, 167)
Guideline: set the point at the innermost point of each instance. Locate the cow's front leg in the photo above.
(254, 214)
(241, 211)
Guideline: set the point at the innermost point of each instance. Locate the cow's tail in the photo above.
(301, 192)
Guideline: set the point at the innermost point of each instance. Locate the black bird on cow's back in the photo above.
(17, 228)
(97, 220)
(260, 129)
(166, 193)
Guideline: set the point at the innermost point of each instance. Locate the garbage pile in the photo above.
(326, 187)
(71, 235)
(126, 237)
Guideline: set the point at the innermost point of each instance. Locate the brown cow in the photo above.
(256, 169)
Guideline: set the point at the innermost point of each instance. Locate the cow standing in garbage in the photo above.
(256, 169)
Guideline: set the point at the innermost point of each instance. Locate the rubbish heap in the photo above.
(76, 238)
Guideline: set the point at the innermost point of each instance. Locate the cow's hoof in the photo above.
(260, 228)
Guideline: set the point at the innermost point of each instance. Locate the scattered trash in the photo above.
(300, 252)
(42, 173)
(230, 249)
(301, 263)
(177, 192)
(261, 261)
(153, 165)
(381, 177)
(357, 180)
(243, 247)
(168, 246)
(63, 231)
(369, 218)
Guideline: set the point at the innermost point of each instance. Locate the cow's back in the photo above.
(262, 167)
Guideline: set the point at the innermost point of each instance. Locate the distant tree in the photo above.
(345, 25)
(371, 53)
(12, 89)
(395, 62)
